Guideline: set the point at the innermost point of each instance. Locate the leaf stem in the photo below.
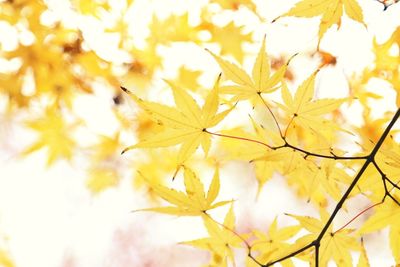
(290, 255)
(272, 114)
(358, 215)
(308, 153)
(239, 138)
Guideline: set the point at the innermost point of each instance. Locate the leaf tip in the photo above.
(275, 19)
(126, 149)
(177, 170)
(290, 59)
(125, 90)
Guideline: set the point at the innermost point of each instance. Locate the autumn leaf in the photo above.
(230, 38)
(273, 244)
(186, 124)
(188, 79)
(54, 135)
(246, 87)
(195, 202)
(305, 111)
(175, 28)
(106, 147)
(363, 260)
(386, 215)
(330, 10)
(101, 178)
(221, 238)
(334, 245)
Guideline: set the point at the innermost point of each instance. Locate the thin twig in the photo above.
(358, 215)
(239, 138)
(272, 114)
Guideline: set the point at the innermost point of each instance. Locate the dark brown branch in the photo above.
(290, 255)
(368, 160)
(308, 153)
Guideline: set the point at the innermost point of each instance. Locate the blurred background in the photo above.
(66, 192)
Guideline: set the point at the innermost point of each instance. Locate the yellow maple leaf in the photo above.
(140, 71)
(221, 238)
(316, 181)
(165, 161)
(195, 202)
(101, 178)
(175, 28)
(306, 112)
(246, 87)
(384, 59)
(363, 260)
(230, 37)
(330, 10)
(188, 79)
(334, 245)
(273, 244)
(187, 124)
(386, 215)
(54, 135)
(106, 147)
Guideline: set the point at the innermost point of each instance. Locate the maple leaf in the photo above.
(334, 245)
(175, 28)
(265, 160)
(261, 81)
(363, 260)
(101, 178)
(186, 124)
(194, 202)
(221, 238)
(384, 60)
(274, 244)
(387, 62)
(386, 215)
(330, 10)
(54, 135)
(141, 69)
(305, 111)
(328, 177)
(230, 37)
(165, 162)
(106, 147)
(188, 79)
